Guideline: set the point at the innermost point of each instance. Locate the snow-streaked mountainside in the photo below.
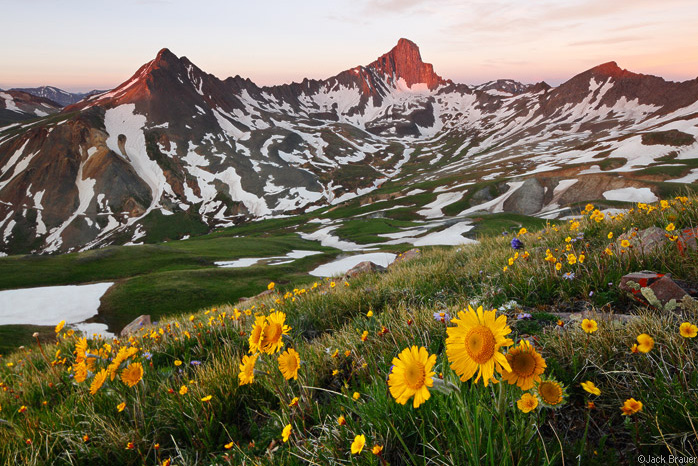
(19, 106)
(59, 96)
(176, 148)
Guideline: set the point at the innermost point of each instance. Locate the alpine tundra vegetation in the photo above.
(483, 353)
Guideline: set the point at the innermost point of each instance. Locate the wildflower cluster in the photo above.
(474, 349)
(99, 364)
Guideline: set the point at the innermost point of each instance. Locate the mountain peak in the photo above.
(404, 61)
(406, 46)
(165, 58)
(611, 69)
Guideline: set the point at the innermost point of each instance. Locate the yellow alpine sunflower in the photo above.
(273, 331)
(255, 339)
(474, 343)
(590, 387)
(289, 363)
(550, 392)
(526, 366)
(412, 376)
(631, 406)
(688, 330)
(80, 350)
(646, 343)
(358, 444)
(98, 381)
(246, 374)
(80, 372)
(589, 326)
(286, 433)
(527, 403)
(132, 374)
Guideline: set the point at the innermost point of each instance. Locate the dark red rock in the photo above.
(666, 289)
(644, 279)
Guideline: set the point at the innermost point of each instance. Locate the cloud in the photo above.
(589, 9)
(607, 41)
(343, 19)
(393, 6)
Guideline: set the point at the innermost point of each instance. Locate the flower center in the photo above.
(291, 363)
(415, 375)
(551, 393)
(480, 344)
(272, 333)
(523, 364)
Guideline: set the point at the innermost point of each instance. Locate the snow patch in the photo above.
(451, 236)
(433, 209)
(497, 204)
(40, 226)
(277, 260)
(124, 120)
(10, 103)
(85, 195)
(256, 205)
(324, 235)
(692, 177)
(226, 125)
(49, 305)
(631, 195)
(8, 230)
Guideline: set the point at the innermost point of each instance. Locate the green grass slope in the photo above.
(192, 403)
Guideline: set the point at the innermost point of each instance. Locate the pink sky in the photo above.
(80, 45)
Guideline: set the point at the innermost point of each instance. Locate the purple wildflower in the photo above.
(517, 244)
(442, 317)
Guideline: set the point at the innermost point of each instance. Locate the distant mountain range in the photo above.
(176, 145)
(56, 95)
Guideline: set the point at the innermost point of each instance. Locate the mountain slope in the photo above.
(18, 106)
(112, 166)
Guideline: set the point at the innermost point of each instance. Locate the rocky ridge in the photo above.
(116, 166)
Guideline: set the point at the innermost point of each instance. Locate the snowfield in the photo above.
(51, 304)
(631, 195)
(276, 260)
